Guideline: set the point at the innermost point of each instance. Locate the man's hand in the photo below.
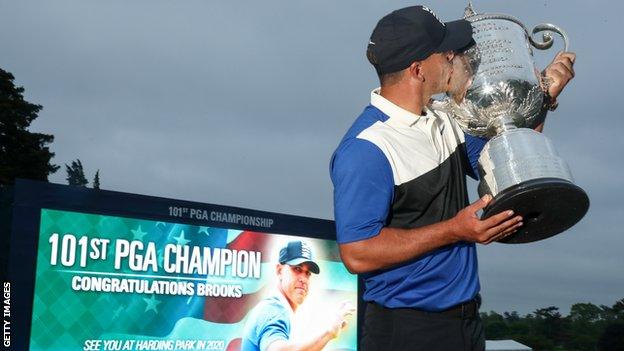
(339, 322)
(470, 228)
(317, 342)
(559, 73)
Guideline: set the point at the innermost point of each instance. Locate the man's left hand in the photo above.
(559, 73)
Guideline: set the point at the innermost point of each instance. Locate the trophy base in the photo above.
(548, 207)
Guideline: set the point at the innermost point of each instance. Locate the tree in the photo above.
(587, 327)
(584, 312)
(96, 180)
(511, 317)
(618, 310)
(549, 323)
(22, 154)
(495, 326)
(583, 326)
(612, 338)
(75, 174)
(496, 330)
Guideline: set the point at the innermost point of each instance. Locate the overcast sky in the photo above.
(242, 103)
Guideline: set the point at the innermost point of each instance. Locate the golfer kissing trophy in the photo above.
(518, 166)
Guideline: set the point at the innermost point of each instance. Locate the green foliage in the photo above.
(612, 339)
(96, 180)
(22, 154)
(75, 174)
(587, 327)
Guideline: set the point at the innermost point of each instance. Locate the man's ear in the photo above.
(415, 71)
(278, 269)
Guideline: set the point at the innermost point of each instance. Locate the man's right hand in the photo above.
(339, 322)
(468, 227)
(394, 246)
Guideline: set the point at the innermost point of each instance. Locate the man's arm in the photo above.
(319, 341)
(314, 344)
(558, 74)
(363, 191)
(393, 246)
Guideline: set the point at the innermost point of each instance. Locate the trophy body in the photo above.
(518, 166)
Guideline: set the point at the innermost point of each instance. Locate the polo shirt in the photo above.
(267, 322)
(397, 169)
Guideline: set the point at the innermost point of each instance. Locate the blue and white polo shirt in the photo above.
(397, 169)
(269, 321)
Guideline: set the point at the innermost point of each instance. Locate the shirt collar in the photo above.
(396, 113)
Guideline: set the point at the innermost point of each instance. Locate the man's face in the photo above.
(293, 282)
(437, 70)
(461, 78)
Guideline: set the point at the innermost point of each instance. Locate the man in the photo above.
(268, 325)
(400, 197)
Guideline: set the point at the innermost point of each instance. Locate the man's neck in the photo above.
(293, 306)
(404, 98)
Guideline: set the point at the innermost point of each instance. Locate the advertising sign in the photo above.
(114, 271)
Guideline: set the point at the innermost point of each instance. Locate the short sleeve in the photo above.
(276, 329)
(474, 145)
(272, 323)
(363, 190)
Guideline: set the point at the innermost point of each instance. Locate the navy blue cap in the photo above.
(413, 34)
(296, 253)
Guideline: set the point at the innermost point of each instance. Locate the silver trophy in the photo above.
(518, 166)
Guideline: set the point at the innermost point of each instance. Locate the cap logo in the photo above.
(433, 14)
(305, 250)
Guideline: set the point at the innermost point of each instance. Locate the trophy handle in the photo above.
(547, 37)
(547, 43)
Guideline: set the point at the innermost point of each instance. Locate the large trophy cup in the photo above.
(518, 166)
